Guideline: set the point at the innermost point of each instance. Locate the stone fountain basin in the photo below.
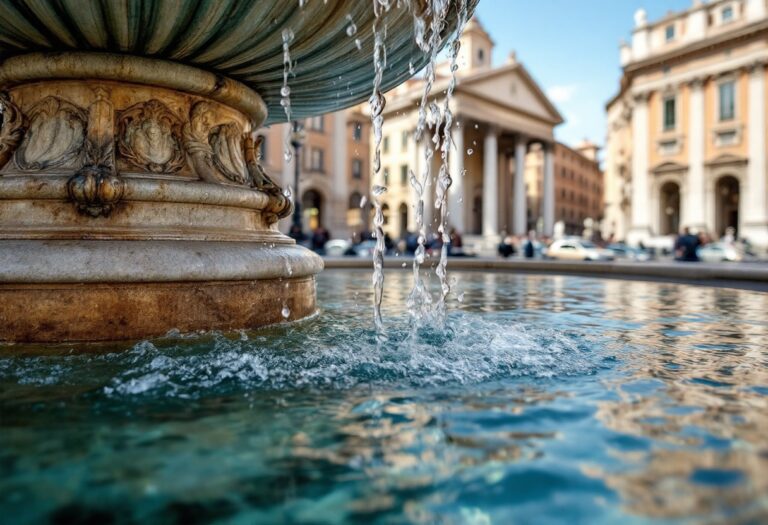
(132, 199)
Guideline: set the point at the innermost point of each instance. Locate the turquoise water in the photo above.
(548, 400)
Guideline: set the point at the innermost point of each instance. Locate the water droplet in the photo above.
(359, 45)
(470, 151)
(404, 265)
(378, 190)
(363, 201)
(476, 126)
(285, 91)
(286, 312)
(461, 297)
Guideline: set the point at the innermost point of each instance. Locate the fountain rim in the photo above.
(130, 69)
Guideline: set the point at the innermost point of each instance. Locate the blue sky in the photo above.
(571, 48)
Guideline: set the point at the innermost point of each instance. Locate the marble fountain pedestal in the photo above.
(132, 201)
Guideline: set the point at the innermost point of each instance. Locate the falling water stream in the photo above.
(434, 130)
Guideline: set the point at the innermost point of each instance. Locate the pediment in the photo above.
(512, 87)
(669, 167)
(727, 159)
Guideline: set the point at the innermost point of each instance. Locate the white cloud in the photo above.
(562, 94)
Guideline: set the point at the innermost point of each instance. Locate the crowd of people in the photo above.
(686, 246)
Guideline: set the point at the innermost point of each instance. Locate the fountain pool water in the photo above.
(548, 399)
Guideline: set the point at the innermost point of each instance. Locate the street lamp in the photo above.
(297, 140)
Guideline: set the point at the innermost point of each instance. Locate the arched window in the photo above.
(669, 209)
(727, 205)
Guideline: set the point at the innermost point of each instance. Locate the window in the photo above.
(317, 160)
(404, 140)
(357, 131)
(404, 174)
(726, 15)
(669, 33)
(263, 149)
(669, 113)
(727, 106)
(386, 176)
(480, 56)
(357, 169)
(317, 123)
(386, 144)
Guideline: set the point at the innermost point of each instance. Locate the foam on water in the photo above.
(334, 353)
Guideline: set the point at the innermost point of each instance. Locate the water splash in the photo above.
(285, 90)
(330, 354)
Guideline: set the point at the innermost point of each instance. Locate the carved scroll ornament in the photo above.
(215, 146)
(280, 205)
(149, 137)
(55, 136)
(11, 128)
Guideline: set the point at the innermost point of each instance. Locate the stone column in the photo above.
(640, 228)
(491, 183)
(754, 206)
(520, 203)
(456, 199)
(548, 189)
(693, 205)
(340, 177)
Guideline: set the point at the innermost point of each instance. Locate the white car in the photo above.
(578, 250)
(337, 247)
(718, 252)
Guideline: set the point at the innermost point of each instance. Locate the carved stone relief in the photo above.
(11, 128)
(281, 205)
(149, 137)
(215, 147)
(55, 136)
(95, 190)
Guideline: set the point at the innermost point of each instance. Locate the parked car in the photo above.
(622, 251)
(719, 252)
(578, 250)
(337, 247)
(365, 248)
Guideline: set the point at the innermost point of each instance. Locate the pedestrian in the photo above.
(686, 246)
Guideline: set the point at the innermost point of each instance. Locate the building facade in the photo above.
(334, 174)
(504, 123)
(686, 143)
(578, 187)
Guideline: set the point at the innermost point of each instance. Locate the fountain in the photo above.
(131, 196)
